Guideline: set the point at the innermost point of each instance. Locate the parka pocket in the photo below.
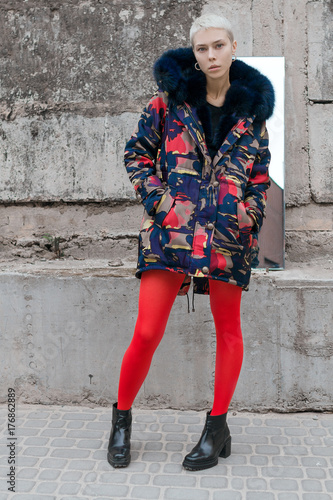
(163, 207)
(244, 224)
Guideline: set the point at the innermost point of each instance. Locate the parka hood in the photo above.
(250, 93)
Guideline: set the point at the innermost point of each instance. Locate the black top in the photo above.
(215, 115)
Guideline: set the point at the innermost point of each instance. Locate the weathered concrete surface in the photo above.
(58, 55)
(320, 46)
(69, 158)
(297, 188)
(64, 330)
(93, 230)
(309, 233)
(321, 171)
(110, 231)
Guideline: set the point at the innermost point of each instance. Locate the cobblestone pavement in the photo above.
(60, 453)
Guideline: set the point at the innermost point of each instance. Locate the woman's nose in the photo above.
(211, 54)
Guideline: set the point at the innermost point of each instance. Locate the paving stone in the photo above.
(174, 446)
(176, 437)
(154, 446)
(279, 440)
(76, 424)
(227, 495)
(53, 432)
(256, 483)
(247, 439)
(173, 468)
(84, 434)
(315, 473)
(70, 453)
(284, 484)
(154, 456)
(185, 494)
(268, 449)
(259, 495)
(53, 463)
(81, 464)
(63, 443)
(91, 477)
(237, 483)
(109, 490)
(288, 496)
(214, 482)
(90, 444)
(316, 496)
(285, 461)
(21, 496)
(283, 472)
(245, 471)
(26, 473)
(314, 461)
(49, 475)
(36, 441)
(148, 418)
(47, 487)
(114, 477)
(79, 416)
(155, 468)
(329, 486)
(259, 460)
(35, 451)
(145, 493)
(139, 478)
(26, 486)
(311, 485)
(189, 419)
(69, 489)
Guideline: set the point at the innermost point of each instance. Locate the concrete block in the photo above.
(70, 158)
(312, 217)
(65, 55)
(267, 18)
(64, 335)
(297, 190)
(240, 16)
(320, 58)
(321, 138)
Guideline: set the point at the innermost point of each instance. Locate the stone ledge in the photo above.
(66, 325)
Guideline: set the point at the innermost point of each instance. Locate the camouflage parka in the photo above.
(196, 208)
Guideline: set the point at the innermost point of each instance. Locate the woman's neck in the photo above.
(216, 91)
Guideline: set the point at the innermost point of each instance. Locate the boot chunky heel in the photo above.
(226, 450)
(119, 443)
(215, 441)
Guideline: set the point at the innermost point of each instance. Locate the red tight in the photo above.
(158, 291)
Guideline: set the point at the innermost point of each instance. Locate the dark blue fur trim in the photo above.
(250, 93)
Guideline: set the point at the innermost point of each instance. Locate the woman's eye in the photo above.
(219, 45)
(201, 49)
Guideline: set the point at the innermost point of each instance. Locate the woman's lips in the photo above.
(212, 68)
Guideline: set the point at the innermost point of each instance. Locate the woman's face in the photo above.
(213, 51)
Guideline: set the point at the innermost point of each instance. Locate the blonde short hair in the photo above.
(211, 21)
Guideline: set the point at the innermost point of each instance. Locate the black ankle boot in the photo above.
(215, 441)
(119, 443)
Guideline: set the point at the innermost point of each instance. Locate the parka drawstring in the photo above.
(188, 302)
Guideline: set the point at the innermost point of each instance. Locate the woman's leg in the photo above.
(225, 300)
(158, 290)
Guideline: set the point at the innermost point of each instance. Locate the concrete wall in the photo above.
(76, 75)
(64, 334)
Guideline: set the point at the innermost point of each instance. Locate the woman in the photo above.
(198, 161)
